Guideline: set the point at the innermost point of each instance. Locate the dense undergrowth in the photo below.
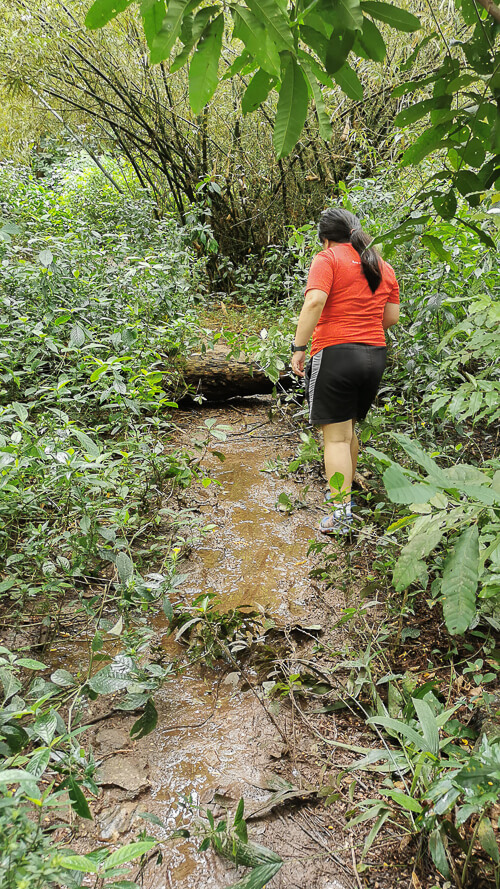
(101, 303)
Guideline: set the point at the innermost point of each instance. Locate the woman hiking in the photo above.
(351, 298)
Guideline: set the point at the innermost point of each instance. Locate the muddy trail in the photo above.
(219, 738)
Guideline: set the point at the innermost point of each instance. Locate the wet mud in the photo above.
(215, 742)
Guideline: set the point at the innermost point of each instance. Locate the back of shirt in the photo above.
(352, 313)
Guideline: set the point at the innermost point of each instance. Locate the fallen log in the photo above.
(216, 377)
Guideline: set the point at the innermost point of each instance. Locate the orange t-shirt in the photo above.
(352, 313)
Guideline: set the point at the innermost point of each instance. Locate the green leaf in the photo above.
(199, 22)
(124, 566)
(10, 682)
(21, 411)
(163, 42)
(14, 776)
(424, 145)
(406, 802)
(274, 20)
(401, 490)
(446, 204)
(38, 762)
(428, 724)
(258, 877)
(102, 11)
(45, 726)
(348, 15)
(254, 35)
(393, 15)
(204, 67)
(316, 40)
(78, 800)
(325, 126)
(63, 678)
(436, 247)
(167, 608)
(128, 853)
(82, 863)
(349, 83)
(109, 680)
(420, 109)
(76, 336)
(487, 839)
(337, 50)
(459, 583)
(438, 853)
(30, 664)
(146, 723)
(257, 91)
(292, 107)
(401, 728)
(371, 42)
(87, 444)
(407, 570)
(99, 372)
(153, 13)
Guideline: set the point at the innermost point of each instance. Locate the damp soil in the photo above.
(219, 738)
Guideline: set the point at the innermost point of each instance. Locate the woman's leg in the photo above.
(354, 450)
(341, 452)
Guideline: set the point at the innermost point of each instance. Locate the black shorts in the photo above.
(342, 382)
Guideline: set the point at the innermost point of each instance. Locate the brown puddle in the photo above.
(211, 736)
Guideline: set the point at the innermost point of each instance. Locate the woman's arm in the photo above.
(391, 315)
(309, 316)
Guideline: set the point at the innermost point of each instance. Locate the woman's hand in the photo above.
(298, 363)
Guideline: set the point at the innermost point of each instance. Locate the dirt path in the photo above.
(215, 742)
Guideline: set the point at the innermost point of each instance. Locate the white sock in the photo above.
(343, 511)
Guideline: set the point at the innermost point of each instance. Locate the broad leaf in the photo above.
(38, 762)
(337, 50)
(370, 42)
(420, 109)
(292, 107)
(275, 21)
(349, 82)
(438, 852)
(78, 800)
(393, 15)
(153, 13)
(256, 39)
(128, 853)
(45, 726)
(324, 122)
(83, 863)
(401, 490)
(146, 723)
(428, 724)
(197, 25)
(259, 877)
(459, 583)
(424, 145)
(446, 204)
(204, 67)
(87, 444)
(163, 42)
(124, 566)
(102, 11)
(257, 91)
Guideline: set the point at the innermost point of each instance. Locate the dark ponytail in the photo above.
(344, 227)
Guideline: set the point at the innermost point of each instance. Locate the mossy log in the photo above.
(216, 377)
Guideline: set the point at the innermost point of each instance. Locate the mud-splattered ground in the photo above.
(215, 741)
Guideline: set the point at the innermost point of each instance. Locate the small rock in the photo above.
(232, 679)
(128, 772)
(110, 739)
